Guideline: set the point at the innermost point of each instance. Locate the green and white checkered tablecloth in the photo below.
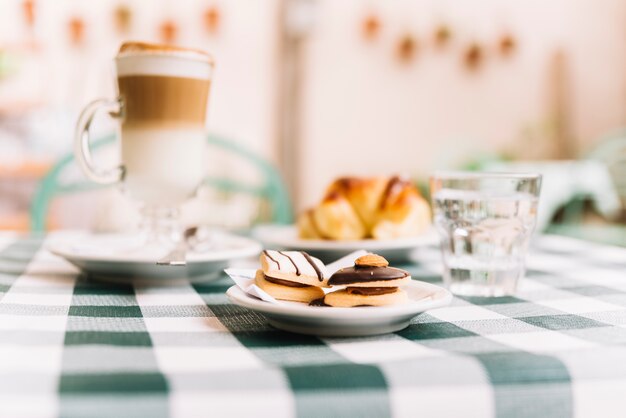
(75, 348)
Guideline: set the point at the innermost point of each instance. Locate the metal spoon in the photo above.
(178, 256)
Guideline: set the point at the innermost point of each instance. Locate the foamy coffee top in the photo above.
(144, 48)
(139, 58)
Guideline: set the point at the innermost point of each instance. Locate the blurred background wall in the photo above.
(367, 109)
(321, 87)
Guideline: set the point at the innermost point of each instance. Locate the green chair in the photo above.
(272, 190)
(612, 152)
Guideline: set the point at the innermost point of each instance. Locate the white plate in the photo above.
(286, 237)
(346, 322)
(121, 258)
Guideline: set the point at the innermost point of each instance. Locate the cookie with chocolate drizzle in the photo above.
(291, 275)
(370, 282)
(294, 266)
(286, 290)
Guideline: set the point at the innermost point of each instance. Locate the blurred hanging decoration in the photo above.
(370, 27)
(76, 31)
(506, 44)
(442, 35)
(122, 18)
(212, 19)
(168, 31)
(29, 14)
(406, 48)
(473, 56)
(28, 10)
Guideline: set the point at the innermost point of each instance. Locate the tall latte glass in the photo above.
(161, 108)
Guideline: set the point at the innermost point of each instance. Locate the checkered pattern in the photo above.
(75, 348)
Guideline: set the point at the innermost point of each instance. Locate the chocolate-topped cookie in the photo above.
(370, 270)
(370, 282)
(366, 276)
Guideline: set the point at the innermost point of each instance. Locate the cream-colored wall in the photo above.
(242, 103)
(364, 113)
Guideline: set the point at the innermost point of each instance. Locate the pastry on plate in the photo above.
(334, 218)
(356, 208)
(291, 275)
(370, 282)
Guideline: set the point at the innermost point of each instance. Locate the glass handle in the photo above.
(81, 142)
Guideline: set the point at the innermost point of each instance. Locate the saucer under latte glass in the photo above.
(161, 108)
(484, 221)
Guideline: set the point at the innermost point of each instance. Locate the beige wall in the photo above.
(242, 104)
(362, 112)
(365, 113)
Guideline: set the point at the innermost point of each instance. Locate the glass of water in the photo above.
(484, 221)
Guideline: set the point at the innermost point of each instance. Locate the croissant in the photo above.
(357, 208)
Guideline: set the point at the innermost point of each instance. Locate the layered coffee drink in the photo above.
(164, 93)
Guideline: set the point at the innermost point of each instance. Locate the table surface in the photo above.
(73, 347)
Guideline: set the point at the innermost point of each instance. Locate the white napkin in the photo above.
(244, 278)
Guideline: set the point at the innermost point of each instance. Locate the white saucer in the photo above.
(346, 322)
(286, 237)
(120, 257)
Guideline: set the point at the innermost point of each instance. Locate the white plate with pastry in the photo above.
(122, 258)
(352, 297)
(346, 322)
(286, 237)
(387, 215)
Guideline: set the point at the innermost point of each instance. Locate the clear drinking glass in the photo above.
(484, 221)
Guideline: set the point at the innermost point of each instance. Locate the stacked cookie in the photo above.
(292, 275)
(296, 276)
(370, 282)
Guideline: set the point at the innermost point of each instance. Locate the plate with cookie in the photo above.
(358, 295)
(385, 215)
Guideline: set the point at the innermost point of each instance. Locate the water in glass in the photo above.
(484, 239)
